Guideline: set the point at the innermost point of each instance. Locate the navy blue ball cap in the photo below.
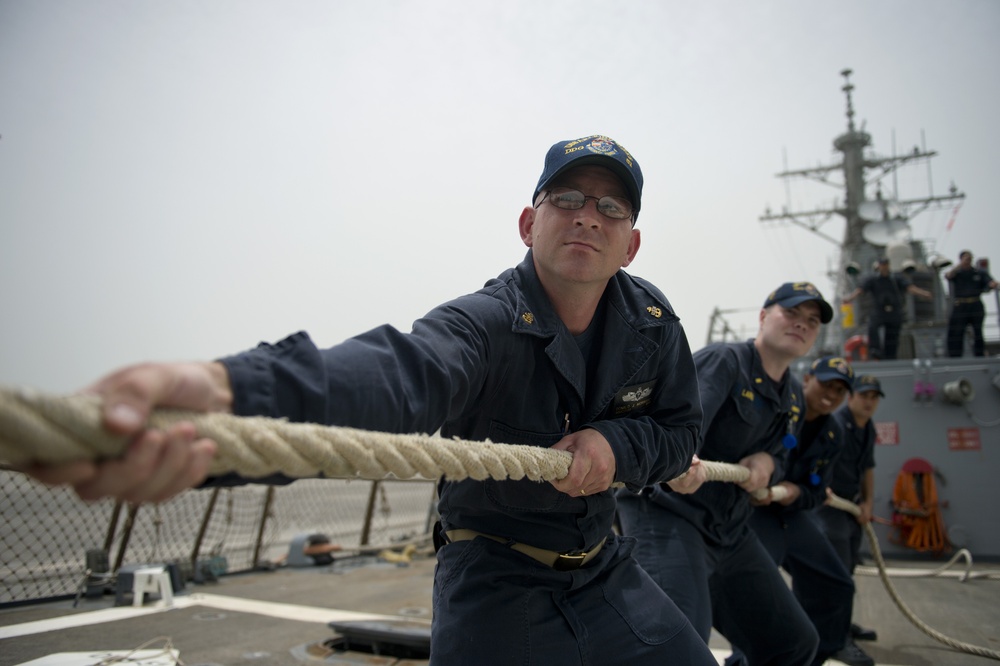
(826, 368)
(791, 294)
(595, 149)
(868, 383)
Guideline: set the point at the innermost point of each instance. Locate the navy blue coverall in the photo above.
(886, 316)
(499, 364)
(796, 542)
(698, 547)
(857, 455)
(967, 310)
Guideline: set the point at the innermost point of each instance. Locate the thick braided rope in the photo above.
(36, 428)
(39, 428)
(719, 471)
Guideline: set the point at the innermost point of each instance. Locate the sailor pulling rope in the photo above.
(36, 428)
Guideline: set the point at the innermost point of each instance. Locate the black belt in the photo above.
(550, 558)
(963, 301)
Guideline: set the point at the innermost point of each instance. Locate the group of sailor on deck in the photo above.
(566, 350)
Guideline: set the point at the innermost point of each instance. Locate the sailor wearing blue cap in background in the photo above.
(788, 528)
(698, 547)
(854, 479)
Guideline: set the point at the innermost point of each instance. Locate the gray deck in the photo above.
(217, 623)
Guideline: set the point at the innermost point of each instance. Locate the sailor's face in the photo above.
(823, 397)
(864, 404)
(791, 331)
(580, 246)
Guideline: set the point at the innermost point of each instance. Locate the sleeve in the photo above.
(383, 380)
(659, 445)
(809, 497)
(717, 369)
(780, 465)
(813, 496)
(783, 456)
(868, 455)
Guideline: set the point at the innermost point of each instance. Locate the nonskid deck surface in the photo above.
(283, 617)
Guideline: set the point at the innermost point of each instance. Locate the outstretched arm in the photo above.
(851, 296)
(157, 464)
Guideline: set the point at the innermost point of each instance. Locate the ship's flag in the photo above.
(954, 214)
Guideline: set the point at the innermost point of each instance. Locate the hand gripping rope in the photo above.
(36, 428)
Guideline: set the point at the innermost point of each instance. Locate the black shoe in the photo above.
(859, 633)
(852, 655)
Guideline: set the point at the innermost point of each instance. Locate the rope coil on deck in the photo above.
(36, 428)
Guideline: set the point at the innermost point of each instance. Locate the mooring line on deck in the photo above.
(855, 510)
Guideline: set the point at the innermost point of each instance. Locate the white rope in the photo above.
(717, 471)
(853, 509)
(36, 428)
(943, 571)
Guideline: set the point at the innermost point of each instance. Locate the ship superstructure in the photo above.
(877, 224)
(939, 413)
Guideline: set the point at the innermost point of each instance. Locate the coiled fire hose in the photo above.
(38, 428)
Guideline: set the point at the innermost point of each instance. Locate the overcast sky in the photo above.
(181, 180)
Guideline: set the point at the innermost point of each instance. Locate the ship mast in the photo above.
(874, 227)
(852, 144)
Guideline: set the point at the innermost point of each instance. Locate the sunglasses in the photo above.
(617, 208)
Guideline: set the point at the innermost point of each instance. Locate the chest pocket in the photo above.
(524, 495)
(632, 400)
(749, 406)
(755, 424)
